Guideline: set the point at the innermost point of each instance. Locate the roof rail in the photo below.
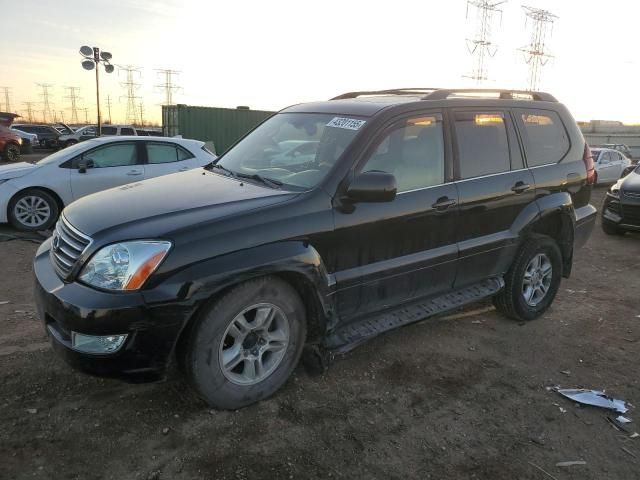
(394, 91)
(444, 93)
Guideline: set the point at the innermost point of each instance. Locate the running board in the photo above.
(347, 337)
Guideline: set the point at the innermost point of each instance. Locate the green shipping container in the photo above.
(222, 126)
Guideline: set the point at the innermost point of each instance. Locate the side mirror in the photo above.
(373, 186)
(84, 164)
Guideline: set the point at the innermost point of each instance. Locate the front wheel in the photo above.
(246, 345)
(533, 280)
(33, 210)
(11, 153)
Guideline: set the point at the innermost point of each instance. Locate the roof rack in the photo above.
(444, 93)
(419, 91)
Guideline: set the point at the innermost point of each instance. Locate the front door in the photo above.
(389, 253)
(106, 166)
(493, 186)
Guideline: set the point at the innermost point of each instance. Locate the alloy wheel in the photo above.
(32, 211)
(537, 279)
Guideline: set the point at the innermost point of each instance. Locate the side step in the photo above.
(349, 336)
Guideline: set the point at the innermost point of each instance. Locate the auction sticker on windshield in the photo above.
(348, 123)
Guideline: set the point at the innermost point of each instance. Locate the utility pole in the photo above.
(131, 87)
(141, 108)
(29, 106)
(7, 98)
(168, 86)
(73, 98)
(535, 53)
(93, 57)
(46, 101)
(109, 107)
(480, 46)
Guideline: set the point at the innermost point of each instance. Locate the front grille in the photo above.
(631, 214)
(67, 246)
(632, 194)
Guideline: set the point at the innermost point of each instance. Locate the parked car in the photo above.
(609, 164)
(47, 135)
(417, 202)
(32, 195)
(10, 141)
(28, 140)
(621, 147)
(80, 135)
(621, 207)
(119, 130)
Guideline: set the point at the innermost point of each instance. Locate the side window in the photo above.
(116, 155)
(605, 157)
(109, 130)
(183, 154)
(127, 131)
(413, 151)
(546, 139)
(483, 148)
(161, 153)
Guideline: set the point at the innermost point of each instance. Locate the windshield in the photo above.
(68, 152)
(295, 149)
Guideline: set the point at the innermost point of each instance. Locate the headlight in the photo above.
(124, 266)
(20, 141)
(614, 191)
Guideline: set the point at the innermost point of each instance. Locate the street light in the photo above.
(92, 57)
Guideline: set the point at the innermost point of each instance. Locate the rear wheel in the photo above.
(11, 153)
(246, 345)
(33, 210)
(533, 280)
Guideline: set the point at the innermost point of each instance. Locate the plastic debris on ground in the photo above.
(594, 398)
(571, 463)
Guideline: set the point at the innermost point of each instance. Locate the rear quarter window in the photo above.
(545, 138)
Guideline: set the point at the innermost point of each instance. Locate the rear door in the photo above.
(108, 166)
(163, 158)
(493, 188)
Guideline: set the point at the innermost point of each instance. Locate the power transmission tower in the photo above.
(535, 53)
(141, 109)
(131, 86)
(109, 107)
(29, 106)
(62, 116)
(7, 98)
(168, 85)
(86, 115)
(480, 46)
(46, 101)
(73, 98)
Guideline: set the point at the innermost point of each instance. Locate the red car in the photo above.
(9, 141)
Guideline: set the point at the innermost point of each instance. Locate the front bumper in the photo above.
(152, 330)
(622, 211)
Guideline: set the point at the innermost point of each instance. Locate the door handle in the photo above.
(134, 172)
(520, 187)
(443, 203)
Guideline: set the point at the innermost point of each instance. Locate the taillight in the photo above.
(587, 158)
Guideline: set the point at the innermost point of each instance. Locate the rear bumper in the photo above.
(72, 307)
(585, 222)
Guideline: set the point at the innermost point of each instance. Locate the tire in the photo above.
(44, 205)
(610, 229)
(219, 328)
(511, 300)
(11, 153)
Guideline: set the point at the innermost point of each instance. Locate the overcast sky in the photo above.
(270, 54)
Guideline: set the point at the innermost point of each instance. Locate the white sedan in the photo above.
(609, 164)
(33, 195)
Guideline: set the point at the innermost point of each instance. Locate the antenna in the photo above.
(46, 101)
(131, 88)
(169, 87)
(7, 98)
(109, 107)
(481, 47)
(29, 106)
(535, 53)
(73, 97)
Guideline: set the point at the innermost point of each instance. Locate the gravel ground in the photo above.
(458, 397)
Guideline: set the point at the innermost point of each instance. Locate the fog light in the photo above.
(94, 344)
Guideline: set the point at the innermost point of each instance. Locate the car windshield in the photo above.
(63, 154)
(296, 150)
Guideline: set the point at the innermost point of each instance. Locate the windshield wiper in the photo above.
(270, 182)
(224, 169)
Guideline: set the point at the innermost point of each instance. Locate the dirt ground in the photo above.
(459, 397)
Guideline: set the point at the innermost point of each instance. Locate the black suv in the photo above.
(47, 135)
(405, 204)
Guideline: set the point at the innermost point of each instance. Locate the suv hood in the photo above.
(159, 206)
(15, 170)
(631, 183)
